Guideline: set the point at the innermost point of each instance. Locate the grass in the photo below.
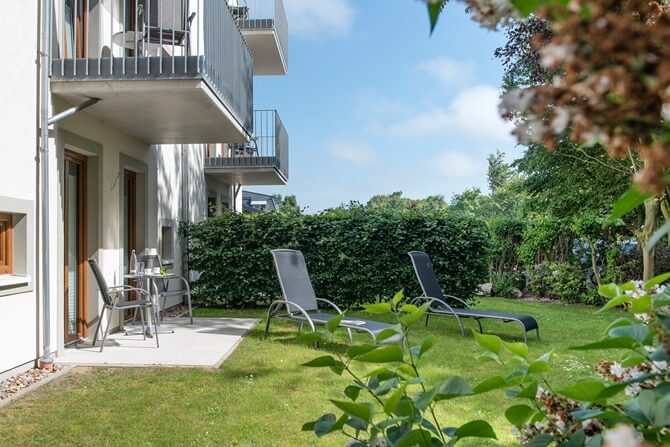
(261, 396)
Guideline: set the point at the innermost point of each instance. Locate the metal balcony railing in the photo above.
(267, 148)
(155, 40)
(263, 14)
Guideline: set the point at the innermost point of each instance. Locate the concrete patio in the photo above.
(206, 343)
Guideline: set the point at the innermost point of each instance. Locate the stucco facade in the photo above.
(101, 177)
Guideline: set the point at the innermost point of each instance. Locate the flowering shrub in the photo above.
(632, 390)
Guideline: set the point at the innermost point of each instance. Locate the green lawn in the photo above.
(261, 396)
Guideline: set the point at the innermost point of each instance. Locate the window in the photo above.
(5, 244)
(167, 243)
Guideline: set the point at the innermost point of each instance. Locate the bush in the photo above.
(545, 239)
(563, 281)
(353, 255)
(506, 235)
(508, 285)
(566, 282)
(538, 279)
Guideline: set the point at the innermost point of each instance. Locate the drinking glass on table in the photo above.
(140, 268)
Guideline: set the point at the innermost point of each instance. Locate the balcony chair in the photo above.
(302, 305)
(111, 297)
(240, 11)
(451, 306)
(162, 285)
(164, 28)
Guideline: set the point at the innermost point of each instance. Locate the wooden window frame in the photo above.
(130, 180)
(82, 264)
(6, 242)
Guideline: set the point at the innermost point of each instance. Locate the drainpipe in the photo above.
(45, 48)
(46, 9)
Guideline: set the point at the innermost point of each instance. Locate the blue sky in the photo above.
(374, 105)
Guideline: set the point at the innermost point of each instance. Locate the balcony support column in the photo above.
(237, 198)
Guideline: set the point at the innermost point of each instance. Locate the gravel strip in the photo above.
(20, 382)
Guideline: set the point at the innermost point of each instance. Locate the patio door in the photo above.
(129, 216)
(74, 216)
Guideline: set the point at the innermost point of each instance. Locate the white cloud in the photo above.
(473, 112)
(457, 164)
(318, 17)
(355, 153)
(448, 71)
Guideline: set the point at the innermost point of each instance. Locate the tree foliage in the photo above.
(396, 202)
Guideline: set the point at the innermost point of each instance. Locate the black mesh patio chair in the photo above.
(162, 285)
(114, 299)
(302, 305)
(451, 306)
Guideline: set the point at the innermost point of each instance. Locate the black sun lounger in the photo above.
(302, 305)
(458, 308)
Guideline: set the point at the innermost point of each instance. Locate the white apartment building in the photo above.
(148, 111)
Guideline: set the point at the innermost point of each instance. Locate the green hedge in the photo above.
(353, 255)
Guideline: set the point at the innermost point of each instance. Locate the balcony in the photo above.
(262, 161)
(265, 29)
(165, 71)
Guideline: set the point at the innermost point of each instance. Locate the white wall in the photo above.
(173, 176)
(18, 117)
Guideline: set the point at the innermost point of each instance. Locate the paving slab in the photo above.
(206, 343)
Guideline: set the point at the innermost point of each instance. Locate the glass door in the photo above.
(74, 216)
(75, 22)
(129, 217)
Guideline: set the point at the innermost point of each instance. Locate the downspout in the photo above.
(45, 121)
(45, 48)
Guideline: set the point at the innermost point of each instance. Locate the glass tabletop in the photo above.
(148, 275)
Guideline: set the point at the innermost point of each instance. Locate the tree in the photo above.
(499, 172)
(472, 201)
(396, 202)
(289, 205)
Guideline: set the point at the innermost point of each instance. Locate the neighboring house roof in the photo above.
(254, 202)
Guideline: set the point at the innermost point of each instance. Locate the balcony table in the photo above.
(127, 40)
(148, 281)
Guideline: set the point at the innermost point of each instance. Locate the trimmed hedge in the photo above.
(353, 255)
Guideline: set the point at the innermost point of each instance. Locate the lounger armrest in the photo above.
(288, 304)
(467, 306)
(331, 304)
(432, 300)
(276, 304)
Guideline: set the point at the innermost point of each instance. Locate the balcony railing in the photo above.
(141, 40)
(268, 148)
(263, 15)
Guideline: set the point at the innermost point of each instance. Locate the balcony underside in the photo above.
(164, 109)
(266, 50)
(245, 171)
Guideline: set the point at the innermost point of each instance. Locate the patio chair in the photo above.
(451, 306)
(111, 297)
(302, 305)
(162, 285)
